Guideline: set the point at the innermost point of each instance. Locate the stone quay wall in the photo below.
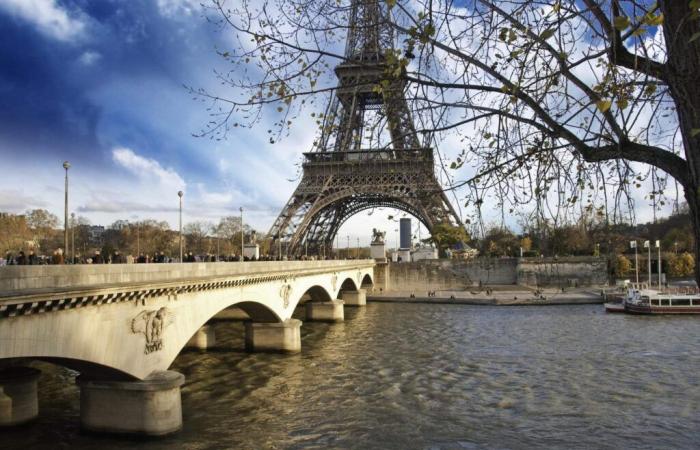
(445, 274)
(567, 271)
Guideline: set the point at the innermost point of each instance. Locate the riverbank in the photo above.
(501, 296)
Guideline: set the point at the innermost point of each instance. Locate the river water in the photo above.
(418, 376)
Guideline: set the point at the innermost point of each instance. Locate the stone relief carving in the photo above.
(359, 278)
(285, 293)
(334, 281)
(151, 324)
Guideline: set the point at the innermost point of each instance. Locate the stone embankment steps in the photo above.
(497, 297)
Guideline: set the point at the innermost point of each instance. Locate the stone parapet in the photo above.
(54, 277)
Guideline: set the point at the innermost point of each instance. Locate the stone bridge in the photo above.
(121, 326)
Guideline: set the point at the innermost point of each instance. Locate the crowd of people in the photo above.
(30, 258)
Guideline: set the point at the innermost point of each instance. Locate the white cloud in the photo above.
(89, 57)
(49, 18)
(146, 168)
(16, 201)
(171, 8)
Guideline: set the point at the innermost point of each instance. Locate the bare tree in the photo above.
(196, 235)
(567, 106)
(44, 228)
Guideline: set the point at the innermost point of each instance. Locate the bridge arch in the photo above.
(367, 282)
(315, 293)
(88, 369)
(348, 284)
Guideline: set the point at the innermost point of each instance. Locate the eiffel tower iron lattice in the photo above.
(343, 176)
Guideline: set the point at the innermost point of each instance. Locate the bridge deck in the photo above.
(19, 284)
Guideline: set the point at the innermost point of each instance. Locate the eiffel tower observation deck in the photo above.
(369, 154)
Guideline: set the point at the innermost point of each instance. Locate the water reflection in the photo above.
(426, 376)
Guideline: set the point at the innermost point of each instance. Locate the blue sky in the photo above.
(100, 84)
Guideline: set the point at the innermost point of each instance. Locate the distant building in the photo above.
(95, 233)
(425, 252)
(463, 251)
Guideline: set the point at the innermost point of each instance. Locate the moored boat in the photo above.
(647, 301)
(615, 307)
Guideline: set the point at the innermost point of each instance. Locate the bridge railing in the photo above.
(15, 280)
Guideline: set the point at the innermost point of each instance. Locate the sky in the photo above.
(101, 84)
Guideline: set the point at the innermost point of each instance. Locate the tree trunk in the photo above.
(681, 71)
(694, 206)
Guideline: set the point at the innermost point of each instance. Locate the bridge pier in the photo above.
(273, 337)
(18, 395)
(203, 339)
(325, 311)
(355, 298)
(146, 407)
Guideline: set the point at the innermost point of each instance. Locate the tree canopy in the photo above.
(552, 104)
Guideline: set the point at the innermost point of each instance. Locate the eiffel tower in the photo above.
(350, 169)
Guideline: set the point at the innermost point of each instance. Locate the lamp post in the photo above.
(66, 165)
(633, 244)
(658, 247)
(241, 257)
(675, 245)
(72, 236)
(180, 194)
(347, 250)
(358, 248)
(647, 244)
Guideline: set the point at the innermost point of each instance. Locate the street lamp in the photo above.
(241, 257)
(72, 235)
(180, 194)
(347, 252)
(658, 261)
(358, 248)
(66, 165)
(633, 244)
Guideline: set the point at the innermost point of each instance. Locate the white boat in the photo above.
(649, 301)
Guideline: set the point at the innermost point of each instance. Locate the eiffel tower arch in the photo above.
(351, 169)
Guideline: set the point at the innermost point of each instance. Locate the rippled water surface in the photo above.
(426, 377)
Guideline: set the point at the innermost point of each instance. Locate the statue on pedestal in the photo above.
(378, 236)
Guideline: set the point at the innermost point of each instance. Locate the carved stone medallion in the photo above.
(151, 324)
(285, 293)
